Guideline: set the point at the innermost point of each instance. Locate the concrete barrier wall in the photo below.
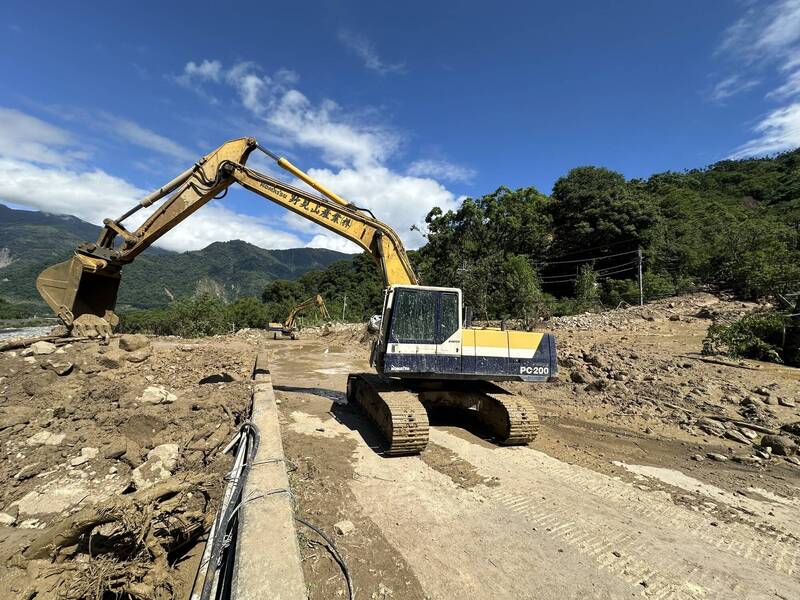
(268, 565)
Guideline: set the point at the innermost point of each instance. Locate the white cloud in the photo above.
(777, 132)
(767, 36)
(399, 200)
(207, 70)
(25, 137)
(358, 149)
(791, 87)
(135, 134)
(731, 86)
(324, 126)
(35, 174)
(365, 50)
(441, 169)
(89, 195)
(332, 241)
(214, 223)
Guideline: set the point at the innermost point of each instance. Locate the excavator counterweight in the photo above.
(425, 355)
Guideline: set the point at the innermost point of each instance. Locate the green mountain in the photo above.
(31, 241)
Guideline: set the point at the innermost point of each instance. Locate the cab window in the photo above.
(414, 317)
(448, 317)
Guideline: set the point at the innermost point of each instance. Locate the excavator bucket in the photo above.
(79, 286)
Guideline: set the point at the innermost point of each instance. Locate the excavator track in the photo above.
(512, 418)
(395, 411)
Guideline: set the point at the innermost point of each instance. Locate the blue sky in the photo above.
(397, 106)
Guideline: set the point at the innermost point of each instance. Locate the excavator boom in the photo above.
(87, 284)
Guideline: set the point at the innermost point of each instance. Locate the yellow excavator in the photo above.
(289, 327)
(426, 353)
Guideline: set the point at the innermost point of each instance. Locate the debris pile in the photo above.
(112, 467)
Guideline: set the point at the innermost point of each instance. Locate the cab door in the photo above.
(448, 333)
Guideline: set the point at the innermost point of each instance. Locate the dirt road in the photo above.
(600, 506)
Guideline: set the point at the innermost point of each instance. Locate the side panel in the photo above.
(529, 363)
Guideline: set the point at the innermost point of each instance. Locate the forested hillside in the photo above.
(520, 253)
(516, 253)
(31, 241)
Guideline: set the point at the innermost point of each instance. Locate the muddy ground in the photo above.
(644, 481)
(637, 486)
(90, 431)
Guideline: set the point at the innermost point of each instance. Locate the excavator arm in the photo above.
(304, 305)
(87, 284)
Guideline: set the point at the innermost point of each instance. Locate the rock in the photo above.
(133, 453)
(130, 343)
(111, 359)
(168, 453)
(762, 391)
(59, 368)
(780, 444)
(86, 455)
(45, 438)
(7, 519)
(26, 352)
(593, 360)
(156, 394)
(698, 457)
(793, 428)
(149, 473)
(141, 355)
(42, 348)
(717, 457)
(711, 426)
(29, 471)
(115, 449)
(736, 436)
(748, 433)
(344, 527)
(674, 317)
(748, 460)
(15, 415)
(786, 402)
(30, 360)
(578, 377)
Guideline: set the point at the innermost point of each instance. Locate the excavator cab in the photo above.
(422, 336)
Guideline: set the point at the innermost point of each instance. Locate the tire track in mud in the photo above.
(638, 536)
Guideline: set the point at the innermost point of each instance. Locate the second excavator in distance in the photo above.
(426, 353)
(289, 327)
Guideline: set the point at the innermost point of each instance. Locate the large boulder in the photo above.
(160, 464)
(42, 348)
(780, 444)
(131, 343)
(156, 394)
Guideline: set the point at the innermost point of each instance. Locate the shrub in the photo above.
(757, 335)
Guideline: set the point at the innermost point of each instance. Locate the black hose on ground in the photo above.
(335, 553)
(253, 438)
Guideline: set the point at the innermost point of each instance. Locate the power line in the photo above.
(611, 245)
(580, 260)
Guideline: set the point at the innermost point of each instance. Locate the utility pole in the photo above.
(344, 307)
(641, 289)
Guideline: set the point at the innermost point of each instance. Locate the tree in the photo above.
(522, 293)
(593, 207)
(587, 290)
